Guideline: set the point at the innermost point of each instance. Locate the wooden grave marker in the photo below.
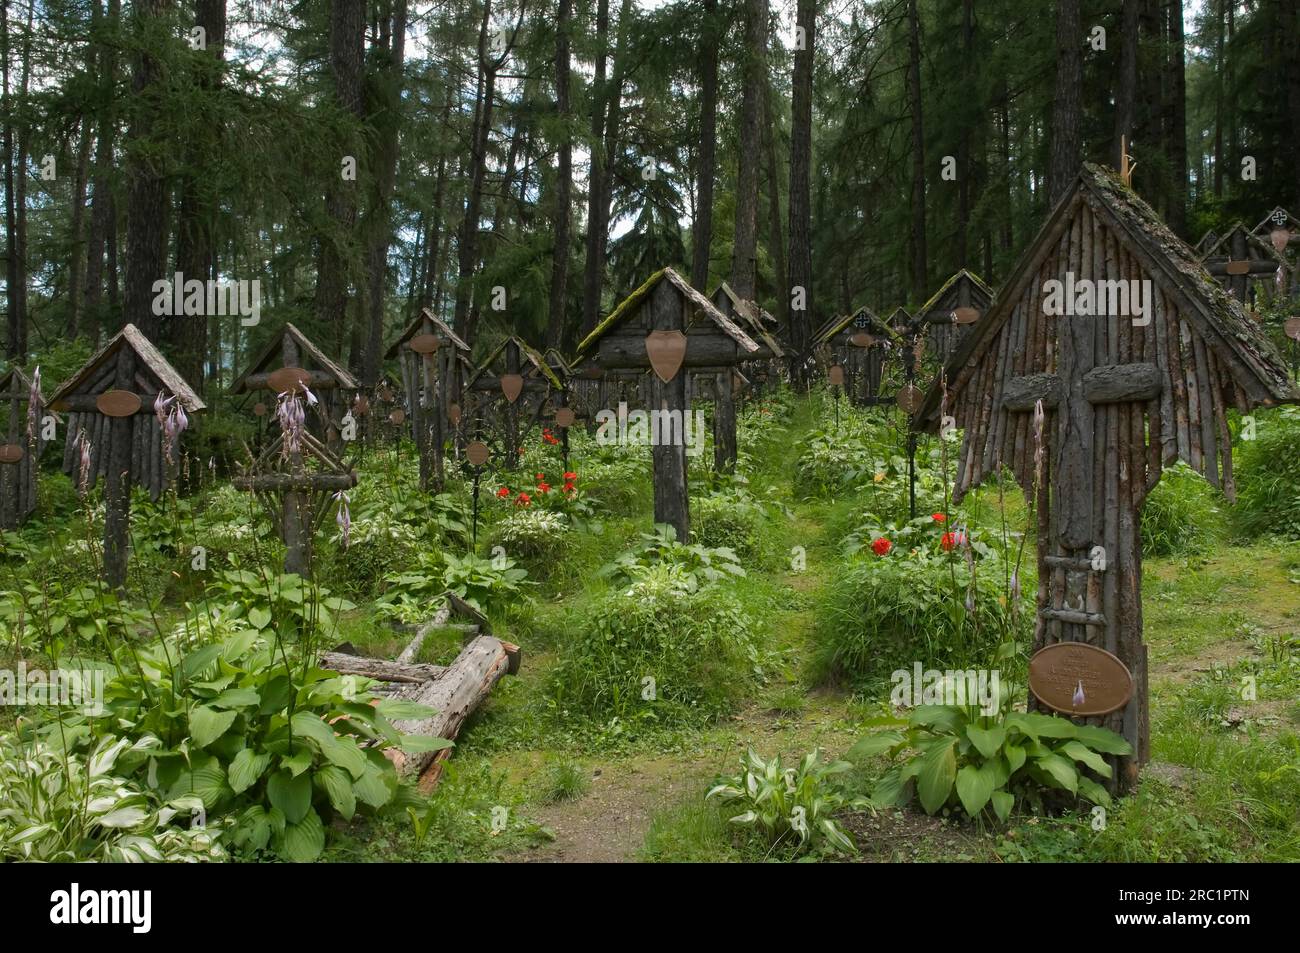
(1246, 265)
(511, 384)
(113, 424)
(664, 306)
(952, 312)
(21, 447)
(432, 377)
(858, 343)
(1122, 395)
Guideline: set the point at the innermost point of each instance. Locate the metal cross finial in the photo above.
(1279, 217)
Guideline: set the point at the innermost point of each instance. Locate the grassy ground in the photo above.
(1224, 783)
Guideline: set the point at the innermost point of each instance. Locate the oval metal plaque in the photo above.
(512, 385)
(423, 343)
(1293, 328)
(385, 394)
(118, 403)
(862, 339)
(453, 414)
(564, 417)
(11, 453)
(1076, 678)
(1240, 267)
(836, 376)
(259, 409)
(477, 453)
(965, 315)
(287, 380)
(910, 399)
(397, 416)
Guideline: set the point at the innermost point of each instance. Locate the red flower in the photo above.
(503, 492)
(523, 499)
(570, 488)
(938, 517)
(544, 487)
(951, 539)
(570, 476)
(541, 476)
(881, 546)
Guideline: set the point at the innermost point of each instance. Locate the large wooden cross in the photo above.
(18, 453)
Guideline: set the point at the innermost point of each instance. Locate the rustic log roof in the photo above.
(837, 324)
(268, 354)
(148, 355)
(533, 356)
(962, 275)
(412, 329)
(1206, 242)
(555, 360)
(753, 315)
(1222, 321)
(702, 306)
(1266, 223)
(1220, 245)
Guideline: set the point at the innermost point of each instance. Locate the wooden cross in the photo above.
(18, 470)
(513, 378)
(428, 351)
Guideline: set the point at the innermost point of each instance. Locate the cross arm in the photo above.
(1107, 384)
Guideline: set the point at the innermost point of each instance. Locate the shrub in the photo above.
(490, 585)
(536, 535)
(695, 645)
(1268, 477)
(1181, 515)
(377, 547)
(694, 564)
(732, 519)
(881, 613)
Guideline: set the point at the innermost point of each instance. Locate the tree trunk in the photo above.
(1177, 133)
(743, 278)
(1126, 82)
(965, 171)
(1067, 105)
(920, 282)
(591, 277)
(77, 255)
(777, 241)
(147, 206)
(702, 231)
(801, 273)
(562, 216)
(102, 213)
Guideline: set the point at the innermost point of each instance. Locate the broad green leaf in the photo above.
(423, 744)
(938, 772)
(236, 698)
(290, 794)
(207, 724)
(395, 708)
(246, 768)
(304, 841)
(943, 717)
(1003, 802)
(371, 789)
(1038, 725)
(1086, 755)
(986, 740)
(207, 782)
(1015, 756)
(338, 786)
(1094, 792)
(197, 662)
(874, 744)
(974, 787)
(123, 817)
(259, 617)
(1065, 773)
(1103, 740)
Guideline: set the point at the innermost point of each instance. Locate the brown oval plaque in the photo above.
(862, 339)
(512, 385)
(362, 405)
(11, 452)
(259, 409)
(965, 315)
(453, 414)
(1239, 267)
(910, 399)
(564, 417)
(423, 343)
(1293, 328)
(287, 380)
(397, 416)
(836, 376)
(477, 453)
(1280, 237)
(666, 350)
(1076, 678)
(385, 393)
(117, 403)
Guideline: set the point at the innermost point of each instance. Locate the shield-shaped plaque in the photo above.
(423, 343)
(965, 315)
(862, 339)
(397, 416)
(11, 453)
(1293, 328)
(287, 379)
(477, 453)
(666, 350)
(259, 409)
(453, 414)
(117, 403)
(1076, 678)
(836, 376)
(362, 405)
(1239, 267)
(385, 394)
(512, 385)
(1280, 237)
(910, 399)
(564, 417)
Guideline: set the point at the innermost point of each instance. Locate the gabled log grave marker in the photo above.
(668, 326)
(1246, 265)
(22, 446)
(512, 383)
(1123, 395)
(858, 343)
(431, 378)
(952, 312)
(114, 430)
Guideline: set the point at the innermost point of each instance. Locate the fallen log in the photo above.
(381, 669)
(454, 696)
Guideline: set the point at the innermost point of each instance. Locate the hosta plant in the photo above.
(789, 806)
(957, 757)
(58, 810)
(698, 564)
(489, 585)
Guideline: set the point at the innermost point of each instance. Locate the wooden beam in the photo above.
(624, 350)
(1021, 393)
(1119, 383)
